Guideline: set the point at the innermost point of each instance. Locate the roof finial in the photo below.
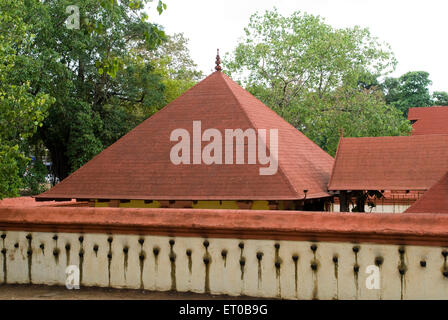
(218, 62)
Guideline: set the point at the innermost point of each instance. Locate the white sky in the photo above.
(415, 29)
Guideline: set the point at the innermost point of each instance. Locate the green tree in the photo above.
(34, 177)
(440, 98)
(100, 75)
(318, 78)
(173, 62)
(21, 109)
(408, 91)
(357, 112)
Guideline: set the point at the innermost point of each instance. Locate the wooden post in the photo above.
(343, 201)
(360, 202)
(114, 203)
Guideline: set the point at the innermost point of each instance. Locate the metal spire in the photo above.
(218, 62)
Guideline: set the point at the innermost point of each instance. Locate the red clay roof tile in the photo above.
(429, 120)
(390, 163)
(138, 165)
(435, 200)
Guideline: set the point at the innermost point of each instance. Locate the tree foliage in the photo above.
(357, 112)
(318, 78)
(21, 109)
(408, 91)
(411, 90)
(74, 90)
(99, 75)
(173, 62)
(440, 98)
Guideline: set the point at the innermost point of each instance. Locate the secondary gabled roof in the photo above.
(390, 163)
(138, 165)
(429, 120)
(435, 200)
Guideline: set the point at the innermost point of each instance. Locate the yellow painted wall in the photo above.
(209, 204)
(203, 204)
(140, 204)
(260, 205)
(101, 204)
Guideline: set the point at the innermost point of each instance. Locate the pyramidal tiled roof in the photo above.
(138, 165)
(435, 200)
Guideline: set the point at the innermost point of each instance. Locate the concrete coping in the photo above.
(402, 228)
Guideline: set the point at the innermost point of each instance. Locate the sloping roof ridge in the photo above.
(334, 163)
(119, 140)
(427, 194)
(280, 167)
(286, 123)
(157, 113)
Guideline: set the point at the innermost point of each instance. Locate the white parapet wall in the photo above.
(259, 264)
(380, 208)
(259, 268)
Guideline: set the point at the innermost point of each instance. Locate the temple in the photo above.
(152, 181)
(217, 116)
(136, 171)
